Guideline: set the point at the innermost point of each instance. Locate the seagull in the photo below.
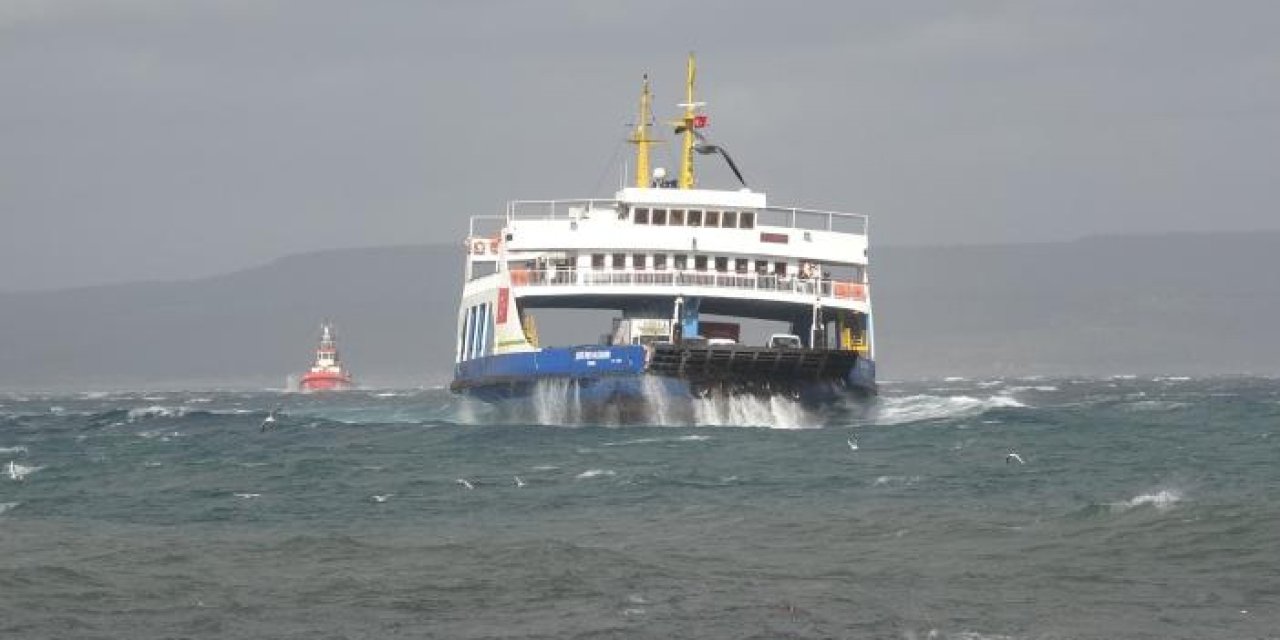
(383, 498)
(1013, 457)
(463, 482)
(269, 421)
(853, 444)
(519, 482)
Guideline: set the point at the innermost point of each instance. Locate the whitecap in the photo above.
(16, 449)
(919, 408)
(8, 506)
(1157, 405)
(154, 411)
(694, 438)
(1037, 387)
(593, 473)
(545, 467)
(622, 443)
(248, 496)
(1163, 499)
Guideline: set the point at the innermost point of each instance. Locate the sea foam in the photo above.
(919, 408)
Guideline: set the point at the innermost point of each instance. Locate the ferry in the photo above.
(326, 373)
(684, 269)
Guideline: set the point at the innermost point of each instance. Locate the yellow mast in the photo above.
(640, 137)
(687, 180)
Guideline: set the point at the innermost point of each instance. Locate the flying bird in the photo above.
(519, 482)
(463, 482)
(1013, 457)
(853, 444)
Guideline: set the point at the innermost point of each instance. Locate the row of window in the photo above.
(694, 218)
(474, 340)
(682, 262)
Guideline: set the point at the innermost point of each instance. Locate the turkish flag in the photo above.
(699, 121)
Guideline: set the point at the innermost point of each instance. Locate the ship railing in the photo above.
(821, 287)
(778, 217)
(813, 220)
(559, 209)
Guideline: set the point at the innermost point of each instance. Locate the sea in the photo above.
(1118, 507)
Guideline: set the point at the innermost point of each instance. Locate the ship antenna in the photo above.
(640, 136)
(691, 120)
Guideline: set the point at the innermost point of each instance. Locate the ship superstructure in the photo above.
(665, 254)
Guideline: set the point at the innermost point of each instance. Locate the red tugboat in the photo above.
(327, 373)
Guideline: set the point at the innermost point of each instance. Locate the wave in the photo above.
(562, 403)
(1163, 499)
(921, 408)
(596, 473)
(1159, 499)
(8, 506)
(17, 449)
(1157, 405)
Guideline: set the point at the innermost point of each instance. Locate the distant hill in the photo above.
(1169, 304)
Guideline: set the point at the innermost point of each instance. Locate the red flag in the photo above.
(699, 121)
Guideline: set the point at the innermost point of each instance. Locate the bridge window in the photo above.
(729, 219)
(780, 268)
(677, 218)
(722, 264)
(597, 261)
(699, 263)
(659, 216)
(619, 261)
(694, 219)
(762, 267)
(638, 260)
(741, 265)
(712, 219)
(681, 262)
(642, 216)
(747, 220)
(659, 262)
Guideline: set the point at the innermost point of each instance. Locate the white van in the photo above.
(784, 341)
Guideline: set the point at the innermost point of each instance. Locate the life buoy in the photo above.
(477, 247)
(493, 244)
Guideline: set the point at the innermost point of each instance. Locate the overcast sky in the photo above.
(162, 139)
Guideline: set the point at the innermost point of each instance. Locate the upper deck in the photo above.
(723, 244)
(696, 221)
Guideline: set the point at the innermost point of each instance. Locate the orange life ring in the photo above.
(477, 247)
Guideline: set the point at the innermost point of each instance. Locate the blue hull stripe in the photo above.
(590, 361)
(610, 372)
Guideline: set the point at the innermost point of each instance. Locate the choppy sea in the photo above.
(1134, 508)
